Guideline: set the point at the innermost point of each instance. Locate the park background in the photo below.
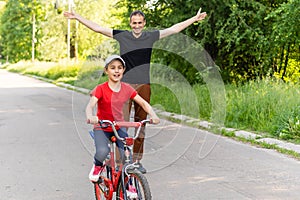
(254, 44)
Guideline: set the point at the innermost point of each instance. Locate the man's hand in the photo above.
(70, 15)
(200, 16)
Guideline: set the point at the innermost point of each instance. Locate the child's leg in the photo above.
(102, 149)
(122, 132)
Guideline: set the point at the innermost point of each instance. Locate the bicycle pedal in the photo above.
(131, 193)
(100, 180)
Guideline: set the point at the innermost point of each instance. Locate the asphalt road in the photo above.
(46, 153)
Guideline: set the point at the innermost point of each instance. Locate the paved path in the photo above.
(46, 153)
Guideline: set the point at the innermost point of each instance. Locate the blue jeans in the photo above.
(101, 142)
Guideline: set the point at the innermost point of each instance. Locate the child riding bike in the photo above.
(109, 98)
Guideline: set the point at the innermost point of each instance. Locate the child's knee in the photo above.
(101, 153)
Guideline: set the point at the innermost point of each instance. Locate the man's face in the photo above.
(137, 24)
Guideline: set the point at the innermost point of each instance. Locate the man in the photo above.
(136, 49)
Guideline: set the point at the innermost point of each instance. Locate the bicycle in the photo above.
(126, 182)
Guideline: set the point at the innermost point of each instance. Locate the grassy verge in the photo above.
(264, 145)
(268, 106)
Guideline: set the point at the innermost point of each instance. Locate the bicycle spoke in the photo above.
(137, 187)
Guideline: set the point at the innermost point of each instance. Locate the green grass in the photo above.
(192, 101)
(89, 76)
(267, 106)
(84, 74)
(255, 142)
(264, 106)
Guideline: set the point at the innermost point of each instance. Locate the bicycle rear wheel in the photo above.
(137, 187)
(103, 188)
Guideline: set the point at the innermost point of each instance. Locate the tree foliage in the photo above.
(89, 42)
(16, 28)
(52, 44)
(285, 39)
(51, 29)
(246, 39)
(242, 37)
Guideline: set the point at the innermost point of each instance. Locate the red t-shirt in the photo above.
(110, 104)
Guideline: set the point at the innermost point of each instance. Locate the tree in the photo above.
(92, 44)
(246, 39)
(162, 14)
(51, 29)
(285, 35)
(16, 29)
(2, 6)
(238, 35)
(84, 42)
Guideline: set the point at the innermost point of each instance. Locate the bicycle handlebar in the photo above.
(106, 123)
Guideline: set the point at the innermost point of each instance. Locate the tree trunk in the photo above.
(281, 59)
(286, 62)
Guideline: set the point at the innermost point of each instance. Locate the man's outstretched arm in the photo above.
(88, 23)
(176, 28)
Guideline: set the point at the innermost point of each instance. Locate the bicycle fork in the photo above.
(125, 168)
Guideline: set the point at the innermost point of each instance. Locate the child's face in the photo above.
(115, 71)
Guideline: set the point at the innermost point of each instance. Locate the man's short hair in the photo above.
(137, 12)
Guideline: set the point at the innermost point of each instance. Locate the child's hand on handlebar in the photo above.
(92, 120)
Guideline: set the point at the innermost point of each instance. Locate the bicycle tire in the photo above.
(139, 182)
(103, 188)
(98, 194)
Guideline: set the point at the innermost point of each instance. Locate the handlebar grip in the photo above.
(129, 124)
(134, 124)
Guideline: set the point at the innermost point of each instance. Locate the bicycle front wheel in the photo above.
(103, 188)
(136, 186)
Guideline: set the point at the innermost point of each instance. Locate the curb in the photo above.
(237, 133)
